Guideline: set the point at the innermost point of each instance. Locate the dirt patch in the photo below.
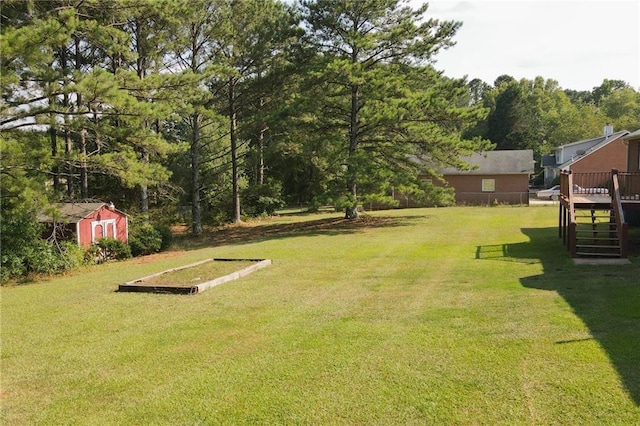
(195, 277)
(197, 274)
(157, 256)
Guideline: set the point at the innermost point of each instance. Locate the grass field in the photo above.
(450, 316)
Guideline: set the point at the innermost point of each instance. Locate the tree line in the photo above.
(222, 109)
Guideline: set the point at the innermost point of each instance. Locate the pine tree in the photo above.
(255, 36)
(370, 53)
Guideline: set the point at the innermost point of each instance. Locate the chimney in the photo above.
(608, 130)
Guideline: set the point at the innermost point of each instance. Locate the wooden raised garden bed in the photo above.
(196, 277)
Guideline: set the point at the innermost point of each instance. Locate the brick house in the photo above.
(497, 177)
(601, 154)
(632, 140)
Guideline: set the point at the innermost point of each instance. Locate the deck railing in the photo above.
(590, 183)
(567, 213)
(629, 186)
(621, 223)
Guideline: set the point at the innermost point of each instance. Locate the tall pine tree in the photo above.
(371, 52)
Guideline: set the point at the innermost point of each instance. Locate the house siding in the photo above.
(610, 156)
(509, 189)
(633, 164)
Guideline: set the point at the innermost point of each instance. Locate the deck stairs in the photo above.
(591, 219)
(597, 234)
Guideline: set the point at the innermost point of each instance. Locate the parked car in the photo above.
(553, 193)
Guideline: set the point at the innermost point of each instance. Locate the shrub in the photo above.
(166, 235)
(263, 199)
(113, 249)
(145, 239)
(23, 251)
(72, 254)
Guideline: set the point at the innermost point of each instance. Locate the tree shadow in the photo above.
(259, 232)
(605, 297)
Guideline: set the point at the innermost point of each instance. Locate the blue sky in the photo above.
(577, 43)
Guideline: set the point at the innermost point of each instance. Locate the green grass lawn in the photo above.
(427, 316)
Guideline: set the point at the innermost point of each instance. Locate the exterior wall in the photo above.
(633, 164)
(509, 189)
(550, 173)
(570, 151)
(101, 224)
(611, 156)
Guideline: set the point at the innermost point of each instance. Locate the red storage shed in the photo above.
(88, 222)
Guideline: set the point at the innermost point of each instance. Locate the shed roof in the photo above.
(75, 212)
(496, 163)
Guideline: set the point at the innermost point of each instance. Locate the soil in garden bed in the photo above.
(195, 275)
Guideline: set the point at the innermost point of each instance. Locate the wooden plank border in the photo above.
(136, 286)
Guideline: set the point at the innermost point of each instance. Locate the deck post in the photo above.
(572, 240)
(560, 222)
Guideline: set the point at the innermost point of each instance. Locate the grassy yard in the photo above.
(450, 316)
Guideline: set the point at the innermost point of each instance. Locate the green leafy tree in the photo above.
(77, 87)
(255, 38)
(194, 52)
(371, 54)
(537, 114)
(622, 108)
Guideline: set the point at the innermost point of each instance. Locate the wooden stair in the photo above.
(593, 225)
(597, 234)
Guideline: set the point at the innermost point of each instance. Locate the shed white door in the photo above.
(103, 229)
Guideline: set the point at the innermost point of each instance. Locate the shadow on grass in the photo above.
(258, 232)
(605, 297)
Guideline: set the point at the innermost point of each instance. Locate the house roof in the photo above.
(593, 141)
(602, 141)
(496, 163)
(74, 212)
(632, 136)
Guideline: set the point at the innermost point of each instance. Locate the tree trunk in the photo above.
(68, 145)
(196, 210)
(144, 189)
(351, 211)
(84, 179)
(141, 71)
(263, 129)
(234, 151)
(84, 175)
(53, 136)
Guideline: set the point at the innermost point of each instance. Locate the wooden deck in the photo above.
(591, 199)
(600, 199)
(591, 217)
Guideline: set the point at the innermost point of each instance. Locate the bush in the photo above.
(23, 251)
(166, 235)
(264, 199)
(145, 239)
(113, 249)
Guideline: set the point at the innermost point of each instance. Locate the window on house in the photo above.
(488, 185)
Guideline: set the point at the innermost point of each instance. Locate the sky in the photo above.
(578, 43)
